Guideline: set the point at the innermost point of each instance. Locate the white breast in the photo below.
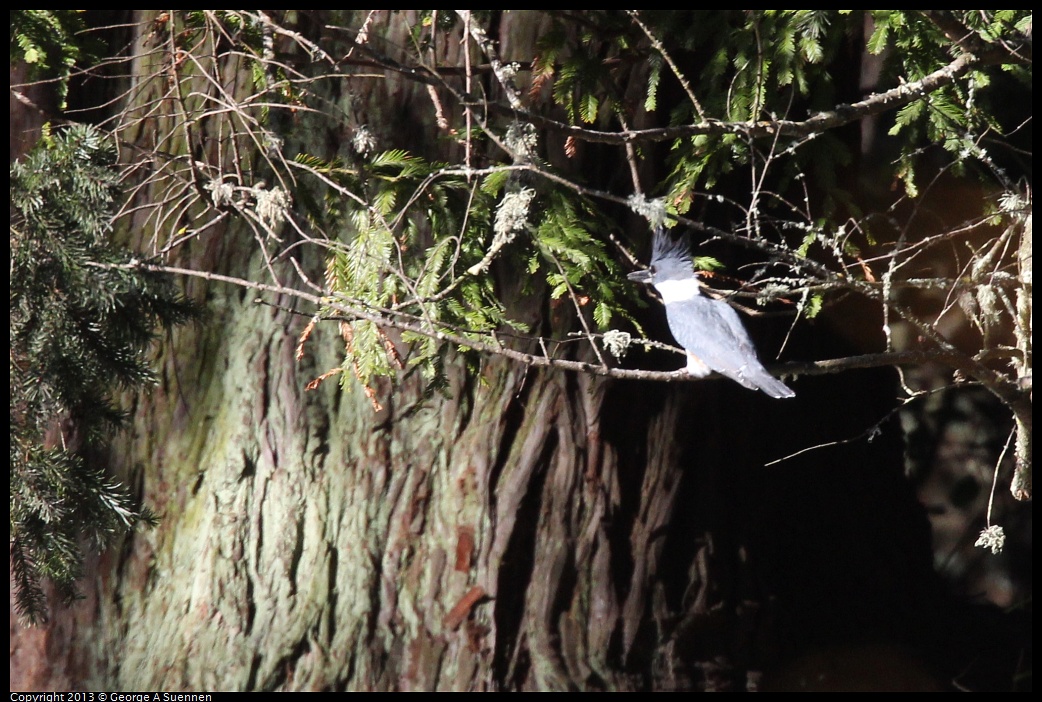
(677, 290)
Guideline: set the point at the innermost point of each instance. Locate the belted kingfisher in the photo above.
(708, 329)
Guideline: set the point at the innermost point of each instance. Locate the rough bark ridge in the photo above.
(308, 543)
(520, 533)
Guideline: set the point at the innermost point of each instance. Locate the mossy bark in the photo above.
(528, 529)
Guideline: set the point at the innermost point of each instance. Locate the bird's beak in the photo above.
(640, 277)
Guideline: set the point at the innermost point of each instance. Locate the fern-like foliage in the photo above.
(46, 41)
(79, 335)
(956, 115)
(423, 248)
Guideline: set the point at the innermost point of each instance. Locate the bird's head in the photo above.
(670, 261)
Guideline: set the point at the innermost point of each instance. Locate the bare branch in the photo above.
(388, 318)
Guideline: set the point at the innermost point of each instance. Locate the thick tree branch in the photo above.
(972, 42)
(816, 124)
(494, 347)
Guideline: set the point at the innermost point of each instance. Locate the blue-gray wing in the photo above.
(712, 331)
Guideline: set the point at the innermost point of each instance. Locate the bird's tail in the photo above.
(771, 385)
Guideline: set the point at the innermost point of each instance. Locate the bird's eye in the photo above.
(651, 270)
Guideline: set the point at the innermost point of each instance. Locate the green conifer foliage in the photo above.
(82, 320)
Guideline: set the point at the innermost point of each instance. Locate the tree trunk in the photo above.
(529, 529)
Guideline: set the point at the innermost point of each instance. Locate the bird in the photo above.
(709, 329)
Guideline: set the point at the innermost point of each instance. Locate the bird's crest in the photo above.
(663, 247)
